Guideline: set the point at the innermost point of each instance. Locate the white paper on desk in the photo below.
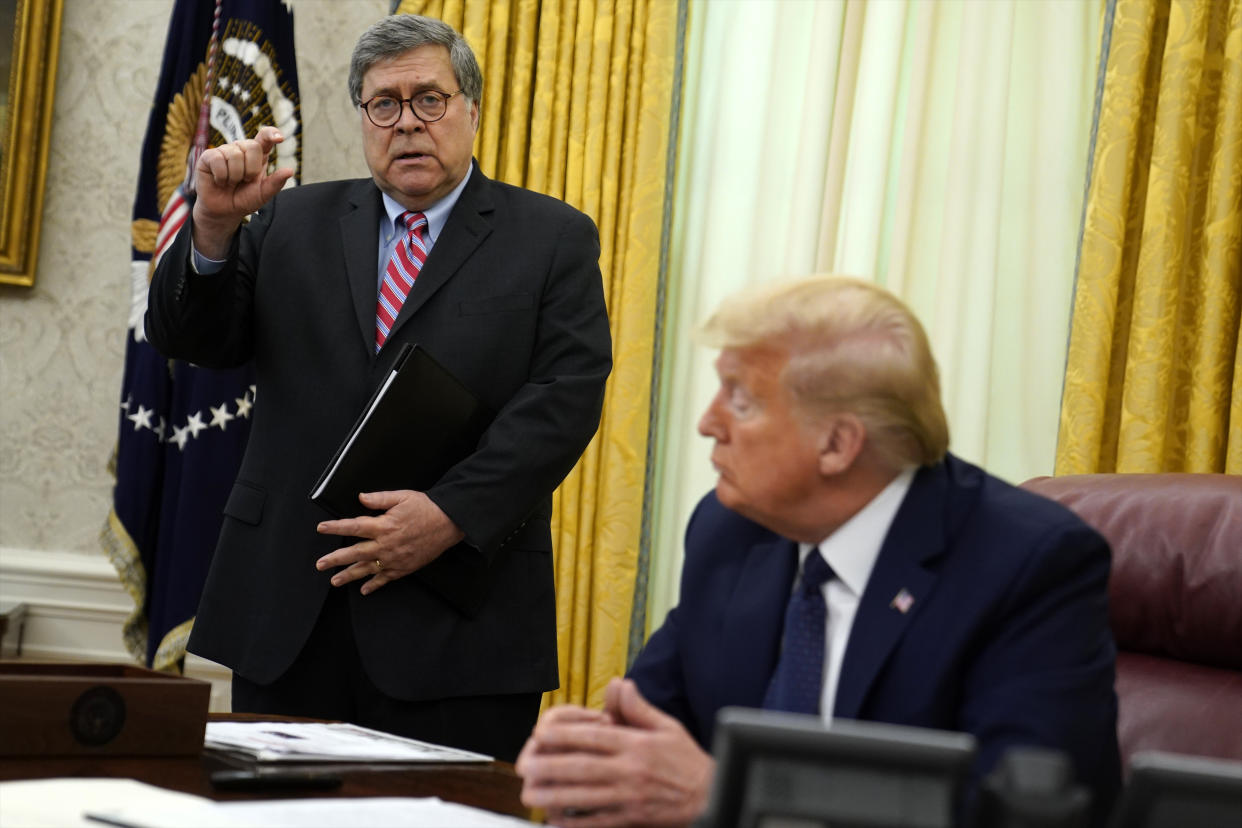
(61, 803)
(326, 742)
(373, 812)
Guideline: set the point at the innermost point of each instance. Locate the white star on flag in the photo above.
(141, 418)
(195, 424)
(220, 415)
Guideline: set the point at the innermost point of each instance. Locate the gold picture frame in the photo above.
(26, 116)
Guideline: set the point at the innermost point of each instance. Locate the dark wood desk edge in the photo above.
(493, 786)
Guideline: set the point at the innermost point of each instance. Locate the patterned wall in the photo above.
(62, 342)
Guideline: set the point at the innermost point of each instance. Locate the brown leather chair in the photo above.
(1175, 603)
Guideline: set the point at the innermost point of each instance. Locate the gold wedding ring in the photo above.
(378, 564)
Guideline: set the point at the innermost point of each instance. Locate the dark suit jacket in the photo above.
(1007, 638)
(511, 301)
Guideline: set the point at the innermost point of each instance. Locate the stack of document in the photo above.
(325, 742)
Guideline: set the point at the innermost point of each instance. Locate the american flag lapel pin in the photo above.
(902, 601)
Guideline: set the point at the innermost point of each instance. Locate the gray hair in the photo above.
(397, 34)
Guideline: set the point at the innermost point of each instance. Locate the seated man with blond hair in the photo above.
(848, 566)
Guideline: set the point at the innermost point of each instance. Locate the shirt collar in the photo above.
(437, 214)
(853, 548)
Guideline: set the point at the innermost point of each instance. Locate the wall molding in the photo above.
(75, 604)
(75, 608)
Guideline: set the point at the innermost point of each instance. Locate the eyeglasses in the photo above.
(427, 106)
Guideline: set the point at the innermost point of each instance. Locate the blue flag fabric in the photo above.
(182, 429)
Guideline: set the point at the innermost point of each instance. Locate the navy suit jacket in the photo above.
(1007, 637)
(511, 301)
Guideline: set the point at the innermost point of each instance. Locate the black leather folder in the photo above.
(419, 422)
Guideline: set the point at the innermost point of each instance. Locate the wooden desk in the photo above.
(493, 786)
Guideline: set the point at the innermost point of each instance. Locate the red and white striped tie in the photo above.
(403, 267)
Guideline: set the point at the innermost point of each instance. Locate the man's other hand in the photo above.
(629, 765)
(411, 533)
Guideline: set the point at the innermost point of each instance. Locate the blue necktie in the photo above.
(798, 681)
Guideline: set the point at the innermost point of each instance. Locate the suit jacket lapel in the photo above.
(468, 225)
(754, 618)
(360, 240)
(915, 538)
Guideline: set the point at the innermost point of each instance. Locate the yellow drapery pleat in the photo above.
(1154, 375)
(577, 105)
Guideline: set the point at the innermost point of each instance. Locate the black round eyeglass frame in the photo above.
(417, 111)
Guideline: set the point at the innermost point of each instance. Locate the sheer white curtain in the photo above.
(938, 148)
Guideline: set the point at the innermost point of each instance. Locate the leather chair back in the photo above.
(1175, 603)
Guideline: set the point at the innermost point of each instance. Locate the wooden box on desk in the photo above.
(99, 709)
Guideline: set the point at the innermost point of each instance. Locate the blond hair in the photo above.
(853, 347)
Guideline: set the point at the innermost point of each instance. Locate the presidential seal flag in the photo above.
(228, 69)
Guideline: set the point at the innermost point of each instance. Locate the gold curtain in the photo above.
(1154, 375)
(577, 104)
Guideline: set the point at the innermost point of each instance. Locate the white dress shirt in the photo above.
(851, 551)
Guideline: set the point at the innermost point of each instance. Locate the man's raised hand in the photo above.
(232, 181)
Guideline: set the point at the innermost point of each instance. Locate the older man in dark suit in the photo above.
(846, 566)
(431, 613)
